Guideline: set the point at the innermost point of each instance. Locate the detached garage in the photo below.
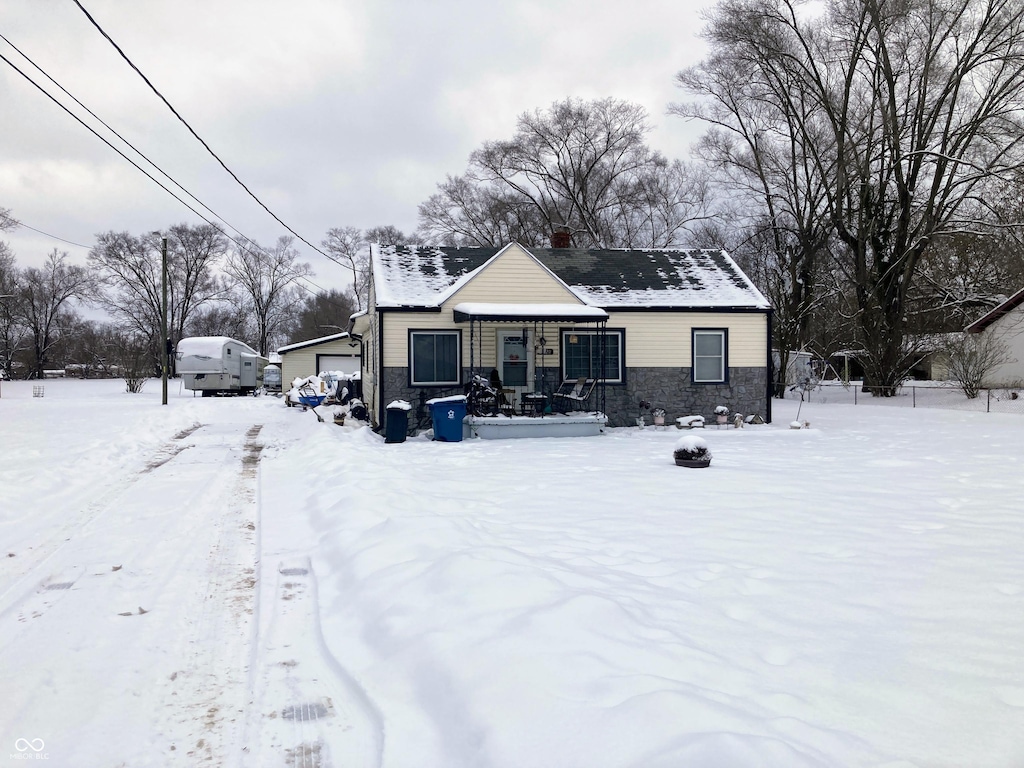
(338, 352)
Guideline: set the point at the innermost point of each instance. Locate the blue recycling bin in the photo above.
(447, 414)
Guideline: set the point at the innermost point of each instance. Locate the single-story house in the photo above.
(1005, 323)
(682, 330)
(337, 352)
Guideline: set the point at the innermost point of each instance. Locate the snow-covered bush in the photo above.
(972, 356)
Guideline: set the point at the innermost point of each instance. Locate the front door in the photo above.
(515, 363)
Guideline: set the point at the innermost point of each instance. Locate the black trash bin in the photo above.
(396, 424)
(447, 414)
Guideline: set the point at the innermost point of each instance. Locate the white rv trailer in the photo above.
(219, 365)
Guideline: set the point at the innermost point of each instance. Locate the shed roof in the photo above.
(424, 276)
(312, 342)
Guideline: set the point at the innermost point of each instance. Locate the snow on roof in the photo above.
(312, 342)
(610, 278)
(510, 311)
(419, 276)
(208, 346)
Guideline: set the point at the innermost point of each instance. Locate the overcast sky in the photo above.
(334, 112)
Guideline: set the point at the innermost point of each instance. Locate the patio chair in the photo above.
(573, 393)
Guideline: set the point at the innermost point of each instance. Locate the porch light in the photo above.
(573, 339)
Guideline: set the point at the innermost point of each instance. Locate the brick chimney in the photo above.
(560, 238)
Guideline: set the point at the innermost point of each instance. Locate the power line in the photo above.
(139, 152)
(101, 138)
(248, 244)
(192, 130)
(69, 242)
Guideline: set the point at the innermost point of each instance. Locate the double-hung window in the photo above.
(582, 355)
(710, 358)
(434, 358)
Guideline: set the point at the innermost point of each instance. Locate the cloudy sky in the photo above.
(334, 112)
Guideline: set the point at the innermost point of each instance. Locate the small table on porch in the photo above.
(532, 404)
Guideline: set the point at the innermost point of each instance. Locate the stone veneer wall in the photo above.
(667, 388)
(671, 389)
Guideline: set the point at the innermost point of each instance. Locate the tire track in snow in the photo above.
(308, 712)
(171, 626)
(21, 572)
(213, 676)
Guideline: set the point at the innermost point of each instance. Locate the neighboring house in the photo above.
(337, 352)
(683, 330)
(1005, 324)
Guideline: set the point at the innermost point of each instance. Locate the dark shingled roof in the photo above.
(425, 276)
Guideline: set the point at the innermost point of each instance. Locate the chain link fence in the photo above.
(915, 395)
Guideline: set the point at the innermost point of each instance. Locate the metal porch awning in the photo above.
(568, 313)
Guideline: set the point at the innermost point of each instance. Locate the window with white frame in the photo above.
(581, 355)
(710, 347)
(434, 358)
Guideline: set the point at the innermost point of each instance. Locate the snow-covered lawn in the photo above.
(847, 595)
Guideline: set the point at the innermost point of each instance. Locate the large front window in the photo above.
(709, 356)
(581, 355)
(434, 358)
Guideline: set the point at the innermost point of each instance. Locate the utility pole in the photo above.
(163, 319)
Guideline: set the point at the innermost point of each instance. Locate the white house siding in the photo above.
(1010, 330)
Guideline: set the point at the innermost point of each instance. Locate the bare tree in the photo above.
(916, 107)
(581, 165)
(464, 212)
(225, 317)
(321, 314)
(348, 247)
(44, 303)
(268, 280)
(388, 234)
(962, 276)
(130, 269)
(7, 221)
(14, 338)
(764, 146)
(192, 256)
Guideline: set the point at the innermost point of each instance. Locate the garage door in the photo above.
(343, 363)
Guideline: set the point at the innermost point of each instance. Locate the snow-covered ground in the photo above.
(227, 581)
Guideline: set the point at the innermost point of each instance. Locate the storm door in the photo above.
(515, 363)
